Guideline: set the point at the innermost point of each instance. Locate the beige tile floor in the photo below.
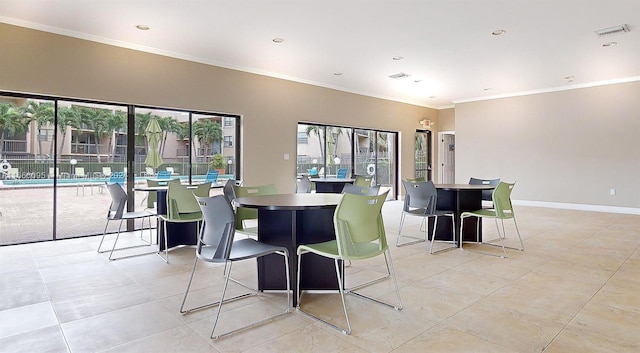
(576, 288)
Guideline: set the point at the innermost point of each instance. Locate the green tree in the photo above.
(318, 131)
(67, 116)
(12, 122)
(208, 132)
(168, 125)
(43, 113)
(115, 122)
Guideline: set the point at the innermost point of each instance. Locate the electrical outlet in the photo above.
(612, 192)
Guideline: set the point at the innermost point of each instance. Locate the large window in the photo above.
(56, 154)
(323, 149)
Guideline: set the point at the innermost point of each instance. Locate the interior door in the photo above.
(448, 158)
(423, 154)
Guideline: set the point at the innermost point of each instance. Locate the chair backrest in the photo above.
(303, 185)
(13, 173)
(341, 173)
(149, 171)
(170, 170)
(218, 228)
(106, 171)
(153, 196)
(118, 201)
(243, 213)
(163, 174)
(420, 195)
(486, 194)
(362, 180)
(228, 191)
(117, 177)
(212, 177)
(181, 199)
(361, 190)
(313, 172)
(80, 172)
(502, 200)
(54, 172)
(358, 220)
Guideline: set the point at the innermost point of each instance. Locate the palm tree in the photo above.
(43, 113)
(168, 125)
(67, 117)
(317, 130)
(115, 122)
(208, 132)
(12, 122)
(96, 119)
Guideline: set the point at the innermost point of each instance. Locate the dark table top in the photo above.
(289, 201)
(464, 187)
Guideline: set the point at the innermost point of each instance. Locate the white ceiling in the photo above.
(446, 44)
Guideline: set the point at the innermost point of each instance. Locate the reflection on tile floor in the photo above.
(576, 288)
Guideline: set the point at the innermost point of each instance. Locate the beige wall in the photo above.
(565, 147)
(44, 63)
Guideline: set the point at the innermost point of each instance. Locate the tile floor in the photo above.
(576, 288)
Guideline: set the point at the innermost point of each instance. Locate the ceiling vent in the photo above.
(399, 75)
(612, 30)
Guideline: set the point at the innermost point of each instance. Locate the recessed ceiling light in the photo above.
(609, 44)
(278, 40)
(337, 73)
(397, 58)
(417, 80)
(569, 78)
(498, 32)
(432, 97)
(142, 27)
(488, 89)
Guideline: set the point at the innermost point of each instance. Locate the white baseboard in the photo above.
(580, 207)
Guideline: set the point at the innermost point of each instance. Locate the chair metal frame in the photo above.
(303, 185)
(216, 244)
(358, 237)
(421, 200)
(117, 212)
(503, 209)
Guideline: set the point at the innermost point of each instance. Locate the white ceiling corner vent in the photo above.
(399, 75)
(612, 30)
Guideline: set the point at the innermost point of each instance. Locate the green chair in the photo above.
(245, 214)
(362, 180)
(152, 196)
(416, 180)
(360, 235)
(502, 210)
(182, 206)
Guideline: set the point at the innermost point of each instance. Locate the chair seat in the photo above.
(137, 214)
(330, 249)
(184, 217)
(420, 212)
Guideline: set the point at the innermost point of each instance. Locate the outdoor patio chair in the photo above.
(212, 177)
(117, 212)
(217, 244)
(79, 172)
(341, 173)
(171, 170)
(13, 173)
(149, 171)
(54, 173)
(163, 174)
(360, 235)
(106, 172)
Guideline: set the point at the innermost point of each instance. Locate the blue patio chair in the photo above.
(163, 174)
(212, 177)
(342, 173)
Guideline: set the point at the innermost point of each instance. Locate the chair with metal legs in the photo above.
(503, 209)
(361, 190)
(420, 200)
(117, 212)
(486, 194)
(216, 244)
(246, 214)
(360, 235)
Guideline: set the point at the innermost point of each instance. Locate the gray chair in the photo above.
(486, 194)
(117, 212)
(361, 190)
(303, 185)
(228, 191)
(421, 200)
(216, 244)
